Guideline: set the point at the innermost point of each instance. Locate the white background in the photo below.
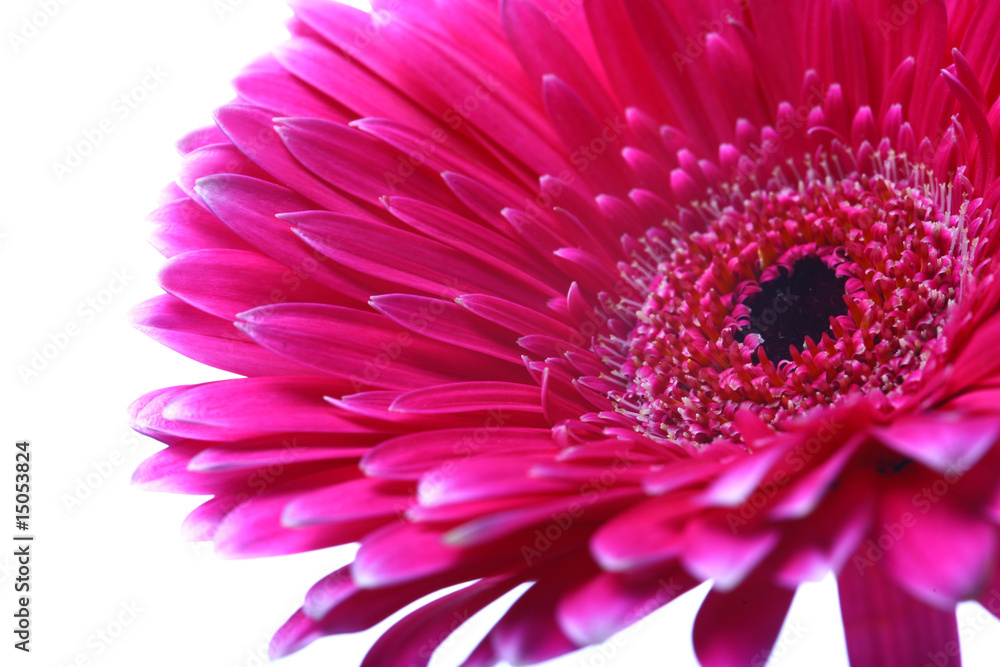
(106, 552)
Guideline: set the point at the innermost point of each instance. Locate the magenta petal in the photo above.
(268, 85)
(943, 442)
(159, 472)
(367, 349)
(741, 478)
(938, 552)
(543, 49)
(409, 259)
(328, 592)
(577, 126)
(411, 641)
(355, 162)
(362, 498)
(515, 317)
(887, 627)
(380, 562)
(226, 282)
(249, 207)
(298, 632)
(225, 457)
(181, 226)
(335, 605)
(807, 491)
(976, 361)
(529, 631)
(645, 534)
(734, 628)
(410, 456)
(479, 243)
(481, 477)
(679, 476)
(609, 602)
(215, 160)
(201, 137)
(831, 535)
(471, 396)
(449, 323)
(251, 129)
(483, 656)
(254, 528)
(566, 513)
(716, 551)
(341, 606)
(201, 523)
(148, 418)
(210, 340)
(339, 76)
(266, 404)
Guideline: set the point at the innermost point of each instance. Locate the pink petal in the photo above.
(254, 528)
(249, 207)
(251, 129)
(947, 443)
(741, 478)
(938, 551)
(739, 626)
(578, 127)
(714, 550)
(294, 449)
(807, 490)
(411, 641)
(408, 259)
(341, 606)
(209, 340)
(362, 498)
(517, 318)
(645, 534)
(341, 78)
(357, 163)
(268, 85)
(449, 323)
(886, 627)
(201, 137)
(561, 516)
(181, 225)
(479, 243)
(528, 632)
(267, 404)
(148, 419)
(365, 348)
(402, 553)
(543, 49)
(224, 282)
(215, 160)
(480, 477)
(593, 611)
(410, 456)
(470, 396)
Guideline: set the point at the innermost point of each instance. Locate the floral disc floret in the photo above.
(872, 263)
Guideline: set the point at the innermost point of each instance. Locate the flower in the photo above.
(612, 297)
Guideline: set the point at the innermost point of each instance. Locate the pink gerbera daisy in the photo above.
(598, 295)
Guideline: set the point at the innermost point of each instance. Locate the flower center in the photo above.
(792, 297)
(796, 304)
